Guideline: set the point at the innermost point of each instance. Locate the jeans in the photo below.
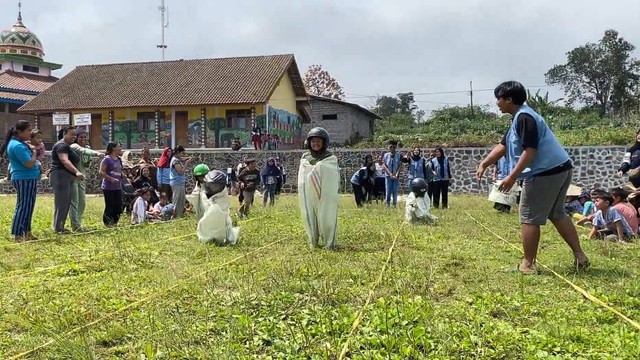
(61, 182)
(269, 191)
(392, 190)
(25, 204)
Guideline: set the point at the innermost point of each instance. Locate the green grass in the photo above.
(446, 293)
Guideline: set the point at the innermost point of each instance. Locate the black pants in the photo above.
(430, 188)
(112, 207)
(358, 192)
(441, 188)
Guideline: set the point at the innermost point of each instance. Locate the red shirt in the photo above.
(629, 213)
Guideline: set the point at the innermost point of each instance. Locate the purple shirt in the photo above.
(114, 170)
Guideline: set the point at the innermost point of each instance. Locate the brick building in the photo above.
(346, 122)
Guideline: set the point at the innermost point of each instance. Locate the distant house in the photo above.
(195, 103)
(346, 122)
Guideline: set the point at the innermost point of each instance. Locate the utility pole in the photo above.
(165, 24)
(471, 95)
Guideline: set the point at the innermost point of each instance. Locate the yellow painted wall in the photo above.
(284, 98)
(194, 111)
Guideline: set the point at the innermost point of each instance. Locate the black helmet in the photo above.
(214, 182)
(419, 187)
(317, 132)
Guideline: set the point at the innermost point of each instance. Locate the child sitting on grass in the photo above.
(139, 211)
(163, 210)
(628, 211)
(418, 207)
(608, 223)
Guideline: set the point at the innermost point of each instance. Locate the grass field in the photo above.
(446, 292)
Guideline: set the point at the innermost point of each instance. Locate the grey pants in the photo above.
(61, 181)
(179, 199)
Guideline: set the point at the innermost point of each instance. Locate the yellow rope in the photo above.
(576, 287)
(145, 299)
(358, 320)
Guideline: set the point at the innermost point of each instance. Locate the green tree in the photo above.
(401, 104)
(602, 75)
(541, 104)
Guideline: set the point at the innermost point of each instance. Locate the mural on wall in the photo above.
(136, 134)
(286, 125)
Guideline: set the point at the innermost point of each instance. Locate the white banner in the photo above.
(81, 119)
(60, 119)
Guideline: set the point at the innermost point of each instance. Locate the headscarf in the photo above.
(125, 160)
(270, 170)
(165, 159)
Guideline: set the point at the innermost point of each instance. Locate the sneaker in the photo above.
(19, 239)
(29, 236)
(81, 229)
(63, 232)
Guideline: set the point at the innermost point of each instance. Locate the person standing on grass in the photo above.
(535, 156)
(419, 167)
(270, 175)
(282, 179)
(318, 185)
(441, 178)
(24, 176)
(111, 173)
(177, 179)
(249, 180)
(164, 173)
(64, 173)
(392, 162)
(78, 188)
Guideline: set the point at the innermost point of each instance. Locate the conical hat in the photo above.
(574, 190)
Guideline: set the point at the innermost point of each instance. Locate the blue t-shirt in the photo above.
(175, 179)
(19, 153)
(609, 221)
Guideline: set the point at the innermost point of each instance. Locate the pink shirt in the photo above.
(629, 213)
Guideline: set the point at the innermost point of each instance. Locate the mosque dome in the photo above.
(18, 40)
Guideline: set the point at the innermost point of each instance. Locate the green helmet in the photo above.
(200, 170)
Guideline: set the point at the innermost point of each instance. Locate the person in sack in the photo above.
(216, 224)
(418, 207)
(318, 185)
(199, 173)
(249, 181)
(270, 174)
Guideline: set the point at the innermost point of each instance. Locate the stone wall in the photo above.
(594, 166)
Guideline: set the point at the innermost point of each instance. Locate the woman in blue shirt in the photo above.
(24, 175)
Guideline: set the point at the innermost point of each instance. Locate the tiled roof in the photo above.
(239, 80)
(15, 96)
(25, 82)
(356, 106)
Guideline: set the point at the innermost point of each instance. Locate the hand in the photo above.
(507, 184)
(620, 174)
(100, 155)
(480, 172)
(79, 175)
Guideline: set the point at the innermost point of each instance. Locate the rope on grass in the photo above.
(106, 229)
(582, 291)
(358, 320)
(100, 257)
(147, 298)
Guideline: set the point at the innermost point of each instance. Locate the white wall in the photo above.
(17, 67)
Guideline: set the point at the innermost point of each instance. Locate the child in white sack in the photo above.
(418, 207)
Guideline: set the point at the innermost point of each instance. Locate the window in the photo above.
(237, 119)
(147, 121)
(32, 69)
(330, 117)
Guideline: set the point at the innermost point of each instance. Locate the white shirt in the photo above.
(139, 211)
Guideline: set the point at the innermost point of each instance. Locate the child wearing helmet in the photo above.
(318, 182)
(418, 207)
(199, 173)
(216, 224)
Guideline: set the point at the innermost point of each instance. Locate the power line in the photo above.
(355, 96)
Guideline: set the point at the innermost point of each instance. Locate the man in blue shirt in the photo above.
(391, 165)
(533, 153)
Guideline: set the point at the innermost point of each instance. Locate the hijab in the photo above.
(271, 170)
(165, 158)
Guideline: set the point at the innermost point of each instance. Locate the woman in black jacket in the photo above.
(631, 163)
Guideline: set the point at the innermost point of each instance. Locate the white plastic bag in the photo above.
(506, 198)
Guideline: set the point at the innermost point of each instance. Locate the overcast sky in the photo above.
(370, 46)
